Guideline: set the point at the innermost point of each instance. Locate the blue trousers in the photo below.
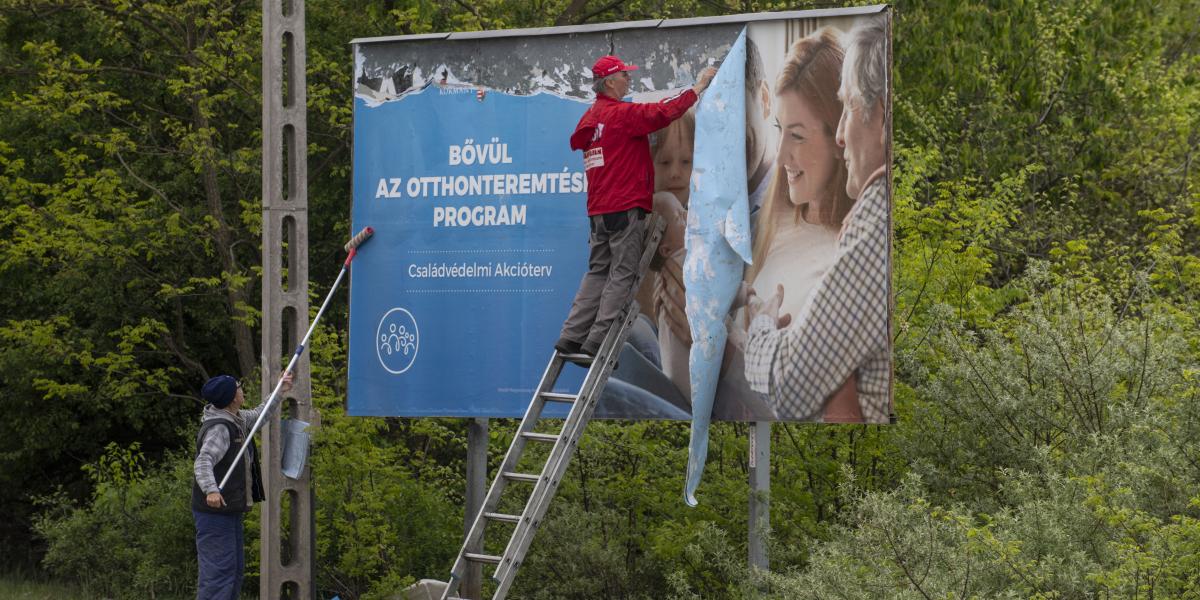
(220, 552)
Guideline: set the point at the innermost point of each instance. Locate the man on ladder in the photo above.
(614, 138)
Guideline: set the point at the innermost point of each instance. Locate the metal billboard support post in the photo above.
(287, 556)
(760, 494)
(477, 452)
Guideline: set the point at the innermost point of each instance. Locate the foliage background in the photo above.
(1046, 344)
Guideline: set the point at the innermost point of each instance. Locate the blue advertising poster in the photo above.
(463, 168)
(479, 213)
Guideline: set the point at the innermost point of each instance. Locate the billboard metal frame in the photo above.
(626, 25)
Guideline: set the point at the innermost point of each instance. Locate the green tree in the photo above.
(1046, 262)
(129, 225)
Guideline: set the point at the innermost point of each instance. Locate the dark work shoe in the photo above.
(565, 346)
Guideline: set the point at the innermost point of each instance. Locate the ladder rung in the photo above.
(540, 437)
(502, 517)
(522, 477)
(579, 359)
(485, 558)
(559, 397)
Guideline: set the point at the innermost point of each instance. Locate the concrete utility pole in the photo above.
(288, 531)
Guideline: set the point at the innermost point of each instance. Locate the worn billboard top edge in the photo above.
(525, 32)
(815, 13)
(560, 30)
(651, 23)
(407, 38)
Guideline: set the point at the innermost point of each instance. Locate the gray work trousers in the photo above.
(617, 241)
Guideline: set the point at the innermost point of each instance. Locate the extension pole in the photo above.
(352, 248)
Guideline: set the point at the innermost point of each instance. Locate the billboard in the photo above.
(462, 166)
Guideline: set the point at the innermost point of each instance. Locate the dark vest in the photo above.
(235, 489)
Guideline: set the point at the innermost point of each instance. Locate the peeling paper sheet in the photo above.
(718, 241)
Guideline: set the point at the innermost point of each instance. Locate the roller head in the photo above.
(358, 240)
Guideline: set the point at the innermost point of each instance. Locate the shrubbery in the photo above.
(1046, 268)
(134, 538)
(1051, 457)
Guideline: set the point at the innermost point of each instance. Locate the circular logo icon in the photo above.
(397, 340)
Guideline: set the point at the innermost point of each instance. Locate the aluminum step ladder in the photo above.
(545, 483)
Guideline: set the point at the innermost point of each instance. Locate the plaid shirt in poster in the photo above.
(842, 329)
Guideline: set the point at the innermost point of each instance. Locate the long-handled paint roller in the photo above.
(352, 250)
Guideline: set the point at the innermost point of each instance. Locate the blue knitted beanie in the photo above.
(220, 390)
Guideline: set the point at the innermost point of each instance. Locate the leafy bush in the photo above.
(134, 538)
(1052, 457)
(1047, 443)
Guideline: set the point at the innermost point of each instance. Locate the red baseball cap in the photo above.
(607, 65)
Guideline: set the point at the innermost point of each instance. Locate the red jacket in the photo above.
(616, 149)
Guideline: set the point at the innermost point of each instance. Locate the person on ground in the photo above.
(217, 512)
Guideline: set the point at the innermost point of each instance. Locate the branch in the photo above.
(192, 364)
(1050, 103)
(570, 12)
(898, 556)
(329, 159)
(150, 186)
(469, 8)
(608, 7)
(194, 399)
